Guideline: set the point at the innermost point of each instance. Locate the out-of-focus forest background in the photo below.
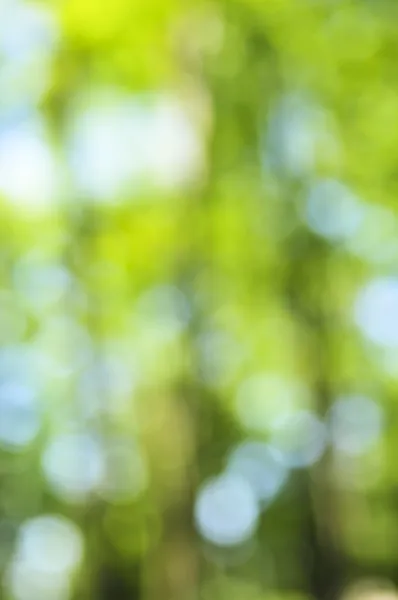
(199, 299)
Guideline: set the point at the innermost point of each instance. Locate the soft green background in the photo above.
(261, 101)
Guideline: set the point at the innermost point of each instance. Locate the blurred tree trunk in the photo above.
(307, 283)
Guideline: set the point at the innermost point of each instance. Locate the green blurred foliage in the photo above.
(205, 271)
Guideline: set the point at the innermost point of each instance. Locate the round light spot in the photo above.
(20, 419)
(122, 143)
(226, 510)
(356, 422)
(375, 311)
(40, 286)
(299, 438)
(113, 373)
(261, 466)
(28, 37)
(26, 30)
(28, 170)
(332, 211)
(73, 465)
(50, 544)
(16, 363)
(292, 136)
(66, 340)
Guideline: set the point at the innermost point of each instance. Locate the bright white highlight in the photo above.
(29, 36)
(26, 31)
(49, 550)
(118, 145)
(226, 510)
(376, 310)
(20, 419)
(28, 171)
(50, 544)
(73, 465)
(332, 211)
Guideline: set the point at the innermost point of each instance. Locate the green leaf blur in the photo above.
(198, 299)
